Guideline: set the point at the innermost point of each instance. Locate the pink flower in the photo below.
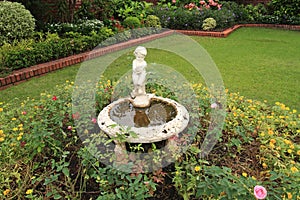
(24, 113)
(260, 192)
(173, 1)
(69, 127)
(214, 105)
(202, 2)
(94, 120)
(219, 6)
(54, 98)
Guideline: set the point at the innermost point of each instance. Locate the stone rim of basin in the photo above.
(146, 134)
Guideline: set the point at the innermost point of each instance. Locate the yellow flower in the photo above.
(5, 192)
(2, 139)
(29, 191)
(244, 174)
(14, 119)
(294, 169)
(270, 132)
(19, 138)
(1, 109)
(264, 165)
(289, 150)
(1, 132)
(262, 134)
(287, 141)
(289, 195)
(15, 129)
(292, 146)
(273, 141)
(294, 111)
(298, 152)
(197, 168)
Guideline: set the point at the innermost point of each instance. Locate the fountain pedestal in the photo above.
(141, 101)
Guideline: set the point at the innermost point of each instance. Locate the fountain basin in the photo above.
(147, 131)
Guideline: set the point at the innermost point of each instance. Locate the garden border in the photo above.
(25, 74)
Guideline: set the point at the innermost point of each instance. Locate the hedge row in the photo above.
(54, 47)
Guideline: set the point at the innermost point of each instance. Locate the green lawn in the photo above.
(259, 63)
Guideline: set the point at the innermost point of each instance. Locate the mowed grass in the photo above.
(259, 63)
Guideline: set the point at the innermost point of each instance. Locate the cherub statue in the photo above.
(139, 72)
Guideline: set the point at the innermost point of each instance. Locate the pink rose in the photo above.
(94, 120)
(202, 2)
(173, 1)
(69, 127)
(260, 192)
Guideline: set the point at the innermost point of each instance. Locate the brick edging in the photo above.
(228, 31)
(41, 69)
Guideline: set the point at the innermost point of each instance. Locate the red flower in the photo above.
(22, 144)
(54, 98)
(76, 115)
(24, 113)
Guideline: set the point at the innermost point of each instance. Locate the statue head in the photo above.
(140, 52)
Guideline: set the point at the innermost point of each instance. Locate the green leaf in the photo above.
(66, 171)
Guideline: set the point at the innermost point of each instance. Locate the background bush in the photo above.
(285, 8)
(82, 26)
(132, 22)
(16, 22)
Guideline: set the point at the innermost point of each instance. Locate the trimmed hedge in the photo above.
(54, 47)
(18, 57)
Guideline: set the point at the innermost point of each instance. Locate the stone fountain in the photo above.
(152, 118)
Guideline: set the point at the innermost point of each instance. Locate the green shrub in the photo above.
(209, 24)
(128, 8)
(152, 21)
(16, 22)
(132, 22)
(53, 47)
(284, 8)
(182, 18)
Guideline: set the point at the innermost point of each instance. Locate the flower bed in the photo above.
(42, 156)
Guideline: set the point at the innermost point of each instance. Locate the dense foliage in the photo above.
(43, 157)
(184, 15)
(16, 22)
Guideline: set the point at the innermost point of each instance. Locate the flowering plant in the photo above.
(204, 4)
